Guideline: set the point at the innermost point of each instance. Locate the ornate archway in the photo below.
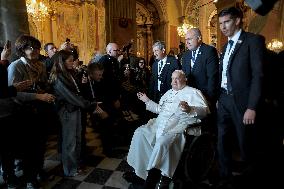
(151, 20)
(212, 28)
(144, 21)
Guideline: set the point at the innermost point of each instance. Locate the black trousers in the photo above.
(230, 126)
(33, 129)
(9, 142)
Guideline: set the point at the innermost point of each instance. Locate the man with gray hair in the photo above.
(156, 147)
(162, 70)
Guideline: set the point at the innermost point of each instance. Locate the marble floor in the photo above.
(101, 172)
(98, 172)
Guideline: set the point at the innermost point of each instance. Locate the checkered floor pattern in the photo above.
(99, 172)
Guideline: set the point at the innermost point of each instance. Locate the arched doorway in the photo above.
(151, 20)
(144, 20)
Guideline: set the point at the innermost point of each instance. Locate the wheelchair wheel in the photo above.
(199, 158)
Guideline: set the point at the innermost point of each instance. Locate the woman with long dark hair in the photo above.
(69, 103)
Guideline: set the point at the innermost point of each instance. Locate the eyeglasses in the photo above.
(117, 50)
(141, 62)
(31, 48)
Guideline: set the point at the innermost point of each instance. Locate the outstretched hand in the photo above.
(5, 54)
(143, 97)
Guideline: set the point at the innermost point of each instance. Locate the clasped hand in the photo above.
(184, 106)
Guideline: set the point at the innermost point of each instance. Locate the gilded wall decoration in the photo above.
(83, 22)
(69, 22)
(33, 29)
(101, 38)
(92, 27)
(143, 16)
(192, 12)
(161, 6)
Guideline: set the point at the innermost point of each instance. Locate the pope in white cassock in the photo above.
(156, 147)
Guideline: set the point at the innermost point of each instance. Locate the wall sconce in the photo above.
(275, 45)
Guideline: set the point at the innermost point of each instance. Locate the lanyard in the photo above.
(160, 67)
(92, 90)
(78, 90)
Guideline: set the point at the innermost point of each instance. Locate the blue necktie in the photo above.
(231, 42)
(229, 86)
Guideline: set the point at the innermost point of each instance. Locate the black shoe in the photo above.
(225, 184)
(12, 181)
(153, 177)
(33, 185)
(164, 182)
(42, 176)
(132, 178)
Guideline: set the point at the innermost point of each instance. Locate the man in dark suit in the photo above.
(111, 75)
(241, 88)
(162, 70)
(201, 66)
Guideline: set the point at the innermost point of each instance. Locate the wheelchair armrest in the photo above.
(193, 129)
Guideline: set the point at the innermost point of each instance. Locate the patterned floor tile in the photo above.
(98, 176)
(124, 167)
(117, 181)
(84, 174)
(109, 163)
(67, 184)
(86, 185)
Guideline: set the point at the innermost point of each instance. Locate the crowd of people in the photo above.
(225, 91)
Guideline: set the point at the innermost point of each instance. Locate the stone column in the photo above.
(14, 19)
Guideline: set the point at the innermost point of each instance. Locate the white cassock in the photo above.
(159, 143)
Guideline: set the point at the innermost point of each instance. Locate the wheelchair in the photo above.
(198, 160)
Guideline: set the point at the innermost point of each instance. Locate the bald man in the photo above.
(111, 71)
(201, 66)
(156, 147)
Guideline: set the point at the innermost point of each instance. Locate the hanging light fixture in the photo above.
(275, 45)
(184, 27)
(37, 9)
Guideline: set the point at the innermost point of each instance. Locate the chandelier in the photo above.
(183, 29)
(37, 9)
(275, 45)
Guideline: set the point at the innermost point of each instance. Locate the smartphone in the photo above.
(8, 44)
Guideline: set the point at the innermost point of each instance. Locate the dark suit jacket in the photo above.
(5, 90)
(111, 75)
(245, 70)
(165, 77)
(204, 74)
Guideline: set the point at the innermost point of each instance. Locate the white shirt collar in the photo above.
(24, 60)
(164, 59)
(236, 37)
